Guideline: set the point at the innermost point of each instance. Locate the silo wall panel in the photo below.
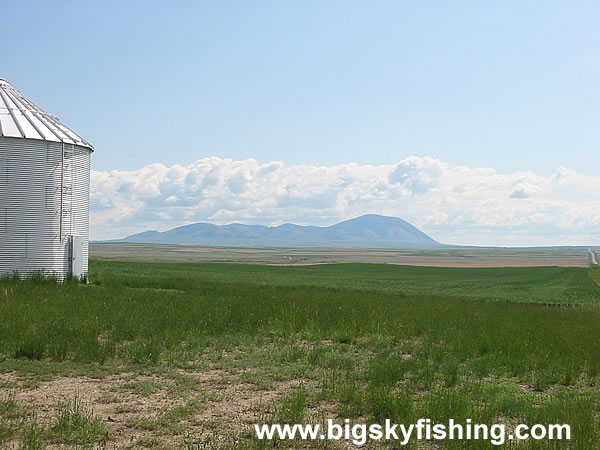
(81, 200)
(33, 198)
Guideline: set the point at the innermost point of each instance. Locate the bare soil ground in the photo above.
(153, 411)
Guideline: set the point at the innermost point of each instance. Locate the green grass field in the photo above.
(364, 342)
(548, 285)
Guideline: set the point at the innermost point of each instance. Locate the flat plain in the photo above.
(190, 355)
(447, 256)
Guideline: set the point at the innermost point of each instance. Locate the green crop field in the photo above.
(181, 355)
(551, 285)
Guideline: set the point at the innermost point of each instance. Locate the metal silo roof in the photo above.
(21, 118)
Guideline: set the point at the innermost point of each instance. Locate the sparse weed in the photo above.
(33, 436)
(292, 408)
(144, 352)
(143, 388)
(76, 425)
(10, 412)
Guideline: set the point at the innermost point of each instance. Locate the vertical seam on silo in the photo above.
(62, 175)
(48, 118)
(18, 103)
(12, 114)
(36, 112)
(73, 172)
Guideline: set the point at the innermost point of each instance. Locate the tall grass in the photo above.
(142, 320)
(402, 351)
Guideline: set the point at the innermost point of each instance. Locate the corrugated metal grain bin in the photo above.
(44, 191)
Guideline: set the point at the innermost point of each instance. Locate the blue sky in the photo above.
(510, 86)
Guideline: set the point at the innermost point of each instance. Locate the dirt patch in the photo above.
(164, 411)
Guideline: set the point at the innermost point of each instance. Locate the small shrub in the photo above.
(387, 369)
(384, 403)
(41, 277)
(351, 399)
(144, 352)
(32, 436)
(33, 348)
(511, 405)
(292, 353)
(447, 403)
(75, 424)
(292, 408)
(451, 373)
(9, 412)
(317, 355)
(90, 350)
(8, 407)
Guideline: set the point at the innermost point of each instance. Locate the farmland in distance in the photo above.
(444, 256)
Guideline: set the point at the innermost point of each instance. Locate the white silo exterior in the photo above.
(44, 191)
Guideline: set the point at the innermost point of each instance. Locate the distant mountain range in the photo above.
(369, 231)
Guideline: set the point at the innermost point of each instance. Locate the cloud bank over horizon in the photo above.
(454, 205)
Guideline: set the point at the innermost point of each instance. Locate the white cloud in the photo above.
(459, 204)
